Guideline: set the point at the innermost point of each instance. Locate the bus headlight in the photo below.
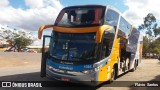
(87, 71)
(51, 68)
(92, 70)
(97, 68)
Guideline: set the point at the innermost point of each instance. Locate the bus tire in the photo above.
(135, 66)
(113, 75)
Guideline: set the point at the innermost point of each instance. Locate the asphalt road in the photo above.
(27, 69)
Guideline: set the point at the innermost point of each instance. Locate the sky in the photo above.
(31, 14)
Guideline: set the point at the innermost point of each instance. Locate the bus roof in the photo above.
(115, 9)
(83, 6)
(96, 5)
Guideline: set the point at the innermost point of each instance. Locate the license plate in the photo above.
(65, 79)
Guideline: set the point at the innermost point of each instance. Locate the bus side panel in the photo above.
(105, 72)
(140, 51)
(134, 47)
(102, 75)
(115, 51)
(140, 47)
(115, 55)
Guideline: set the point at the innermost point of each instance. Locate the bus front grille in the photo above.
(66, 72)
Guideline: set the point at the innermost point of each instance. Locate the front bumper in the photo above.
(87, 79)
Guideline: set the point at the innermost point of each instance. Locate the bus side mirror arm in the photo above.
(42, 28)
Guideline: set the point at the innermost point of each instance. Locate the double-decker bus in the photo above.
(92, 43)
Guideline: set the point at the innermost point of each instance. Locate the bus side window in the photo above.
(112, 18)
(107, 43)
(88, 17)
(124, 28)
(123, 33)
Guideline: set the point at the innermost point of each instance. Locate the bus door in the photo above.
(107, 43)
(45, 53)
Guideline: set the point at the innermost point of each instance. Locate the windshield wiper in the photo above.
(84, 58)
(55, 57)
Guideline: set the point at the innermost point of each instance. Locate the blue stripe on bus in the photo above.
(69, 67)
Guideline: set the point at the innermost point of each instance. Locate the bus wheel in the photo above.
(127, 64)
(135, 66)
(113, 75)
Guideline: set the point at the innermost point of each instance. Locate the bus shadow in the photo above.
(36, 77)
(23, 77)
(110, 84)
(63, 86)
(156, 80)
(131, 84)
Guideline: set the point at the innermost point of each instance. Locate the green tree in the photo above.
(145, 46)
(150, 43)
(156, 46)
(17, 39)
(156, 31)
(22, 42)
(151, 47)
(150, 25)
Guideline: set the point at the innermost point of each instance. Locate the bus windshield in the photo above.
(75, 17)
(74, 47)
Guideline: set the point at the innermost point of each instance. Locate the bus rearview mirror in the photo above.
(42, 28)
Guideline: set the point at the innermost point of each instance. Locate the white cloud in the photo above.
(138, 9)
(43, 3)
(4, 3)
(41, 12)
(34, 4)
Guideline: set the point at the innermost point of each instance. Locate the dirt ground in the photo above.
(149, 70)
(14, 59)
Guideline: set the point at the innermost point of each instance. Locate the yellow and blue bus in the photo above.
(92, 43)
